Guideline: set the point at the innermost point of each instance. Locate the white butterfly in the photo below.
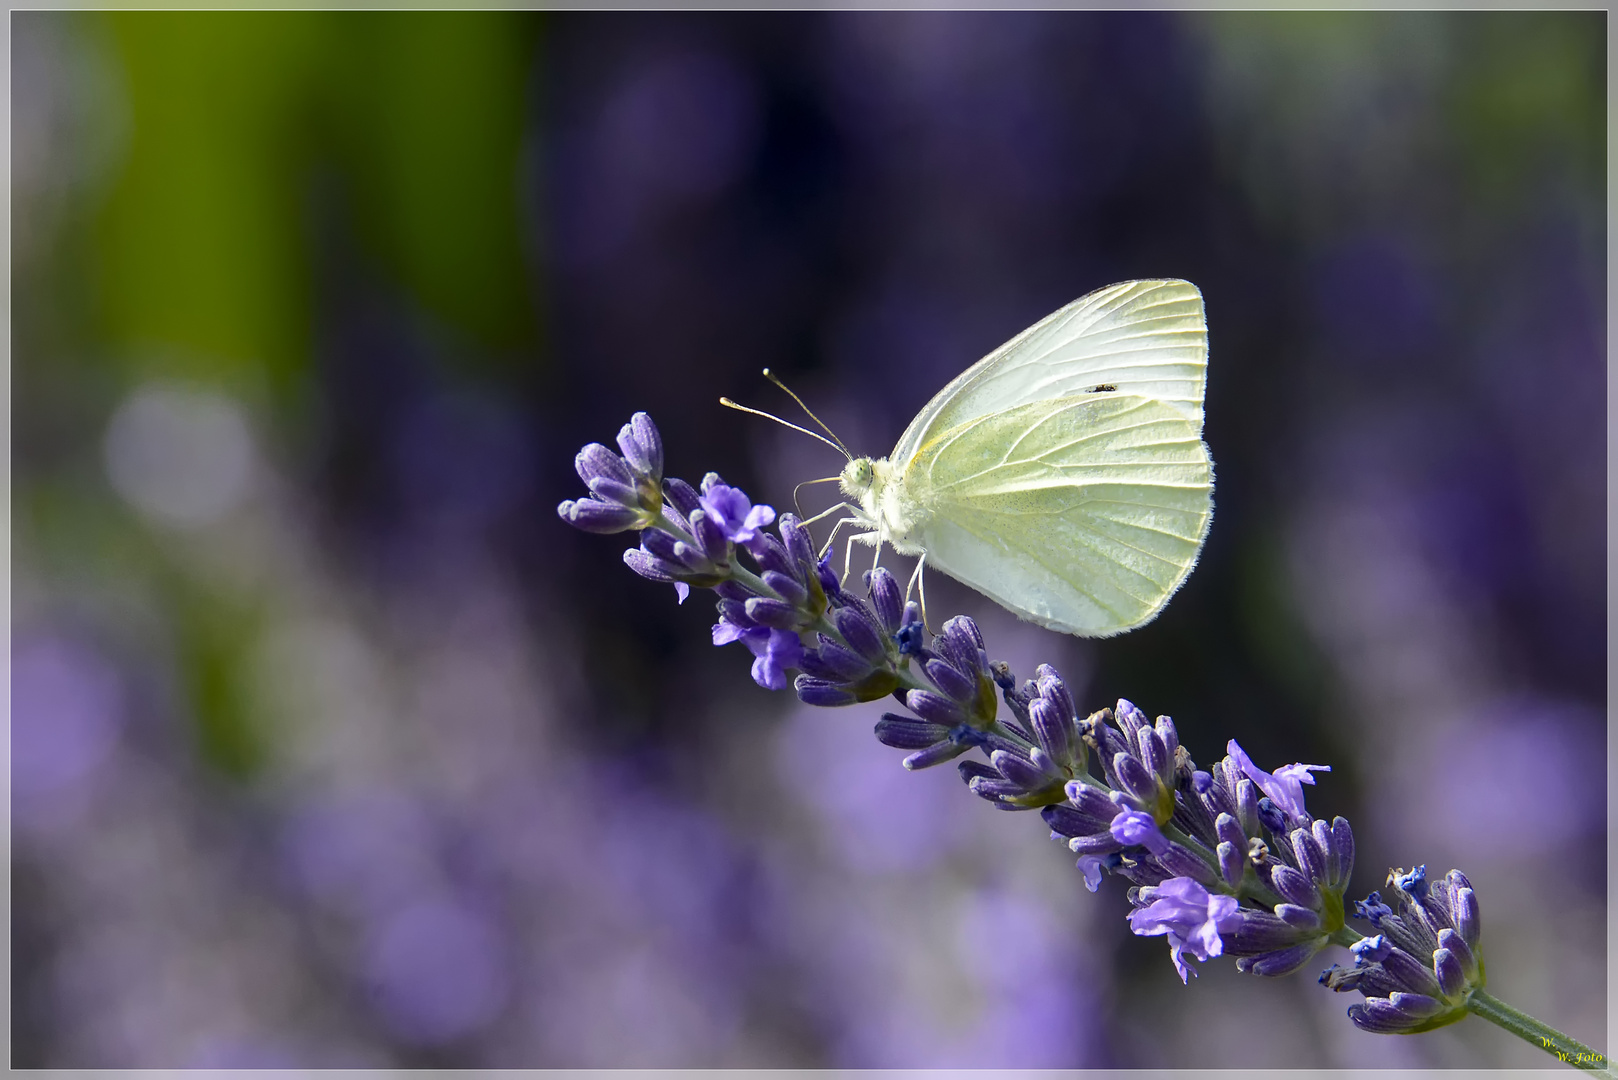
(1063, 475)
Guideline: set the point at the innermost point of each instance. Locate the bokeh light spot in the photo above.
(180, 455)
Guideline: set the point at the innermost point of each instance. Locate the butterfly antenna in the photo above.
(770, 375)
(729, 404)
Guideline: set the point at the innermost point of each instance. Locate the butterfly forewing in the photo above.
(1145, 338)
(1082, 513)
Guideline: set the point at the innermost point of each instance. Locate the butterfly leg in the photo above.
(918, 582)
(848, 552)
(830, 510)
(835, 529)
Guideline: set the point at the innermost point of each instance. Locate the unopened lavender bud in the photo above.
(887, 599)
(1171, 737)
(1054, 689)
(682, 496)
(1411, 973)
(1291, 886)
(640, 561)
(1327, 844)
(935, 707)
(1343, 843)
(1133, 775)
(1452, 942)
(1260, 932)
(1232, 863)
(777, 614)
(786, 587)
(1180, 861)
(1311, 858)
(642, 445)
(1247, 806)
(812, 691)
(609, 489)
(1129, 718)
(861, 634)
(936, 754)
(1096, 844)
(1300, 918)
(596, 462)
(1050, 727)
(1070, 821)
(903, 733)
(950, 681)
(708, 536)
(831, 661)
(1090, 800)
(596, 516)
(1451, 976)
(1278, 963)
(1153, 754)
(1396, 1015)
(1270, 816)
(796, 539)
(734, 590)
(1230, 832)
(1467, 921)
(1018, 770)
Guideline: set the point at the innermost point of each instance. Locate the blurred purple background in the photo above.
(332, 746)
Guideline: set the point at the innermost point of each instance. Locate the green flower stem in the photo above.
(1345, 936)
(1531, 1031)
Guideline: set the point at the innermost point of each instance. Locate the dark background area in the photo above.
(332, 745)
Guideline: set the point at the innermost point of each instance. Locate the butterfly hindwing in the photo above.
(1082, 513)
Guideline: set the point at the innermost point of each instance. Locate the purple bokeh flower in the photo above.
(437, 971)
(1284, 786)
(67, 713)
(1190, 915)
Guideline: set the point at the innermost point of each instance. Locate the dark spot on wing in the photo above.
(1104, 388)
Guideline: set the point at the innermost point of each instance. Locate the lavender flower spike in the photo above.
(1217, 869)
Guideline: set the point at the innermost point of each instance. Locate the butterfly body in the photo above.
(1064, 475)
(894, 509)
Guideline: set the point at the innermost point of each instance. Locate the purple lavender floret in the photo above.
(1426, 959)
(775, 652)
(1193, 919)
(733, 512)
(1284, 787)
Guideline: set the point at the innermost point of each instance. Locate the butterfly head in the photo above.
(857, 477)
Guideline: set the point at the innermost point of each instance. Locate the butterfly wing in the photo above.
(1083, 514)
(1145, 338)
